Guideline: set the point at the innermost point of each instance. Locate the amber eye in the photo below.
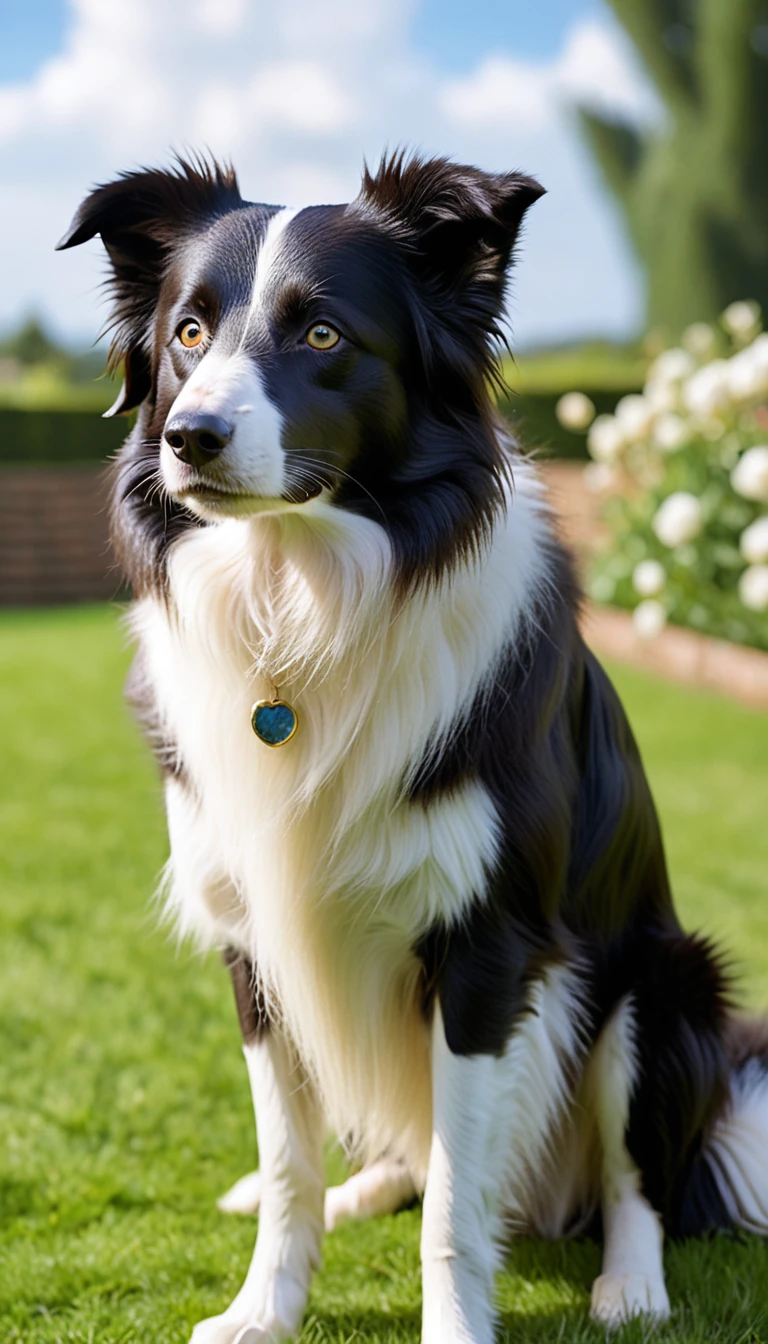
(322, 337)
(190, 334)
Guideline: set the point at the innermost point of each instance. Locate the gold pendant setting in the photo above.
(274, 721)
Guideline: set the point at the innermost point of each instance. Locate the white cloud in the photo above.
(219, 18)
(300, 95)
(599, 67)
(296, 94)
(596, 66)
(500, 88)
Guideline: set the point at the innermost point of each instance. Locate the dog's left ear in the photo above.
(139, 218)
(459, 224)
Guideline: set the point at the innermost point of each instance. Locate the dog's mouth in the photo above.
(217, 498)
(219, 494)
(301, 494)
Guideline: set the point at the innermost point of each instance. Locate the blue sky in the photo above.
(32, 30)
(297, 94)
(452, 33)
(456, 34)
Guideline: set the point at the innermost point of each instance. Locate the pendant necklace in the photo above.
(274, 721)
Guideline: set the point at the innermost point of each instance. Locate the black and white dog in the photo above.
(443, 896)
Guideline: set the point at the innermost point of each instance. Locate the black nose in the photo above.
(196, 438)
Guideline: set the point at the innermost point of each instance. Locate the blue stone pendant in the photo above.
(274, 722)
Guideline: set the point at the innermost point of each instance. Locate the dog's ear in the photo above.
(459, 224)
(139, 217)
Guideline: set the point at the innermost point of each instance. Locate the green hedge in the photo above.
(536, 426)
(60, 436)
(57, 437)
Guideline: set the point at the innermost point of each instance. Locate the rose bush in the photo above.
(683, 473)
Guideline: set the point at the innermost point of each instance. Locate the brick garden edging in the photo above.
(54, 547)
(681, 655)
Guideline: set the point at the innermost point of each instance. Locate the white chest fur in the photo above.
(311, 857)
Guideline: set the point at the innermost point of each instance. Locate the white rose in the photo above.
(673, 366)
(649, 578)
(605, 440)
(759, 353)
(749, 477)
(741, 319)
(670, 432)
(700, 339)
(747, 378)
(635, 416)
(649, 618)
(753, 587)
(575, 411)
(661, 396)
(601, 478)
(754, 542)
(678, 519)
(707, 390)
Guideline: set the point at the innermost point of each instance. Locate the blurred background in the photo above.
(640, 380)
(647, 121)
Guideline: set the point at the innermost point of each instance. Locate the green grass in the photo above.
(592, 366)
(124, 1107)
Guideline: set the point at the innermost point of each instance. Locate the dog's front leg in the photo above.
(461, 1219)
(271, 1302)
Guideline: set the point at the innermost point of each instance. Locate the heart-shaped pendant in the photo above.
(274, 722)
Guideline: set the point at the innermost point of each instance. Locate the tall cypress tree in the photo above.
(695, 191)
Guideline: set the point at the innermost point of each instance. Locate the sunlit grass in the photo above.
(124, 1108)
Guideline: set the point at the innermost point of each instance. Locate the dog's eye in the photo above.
(190, 334)
(322, 337)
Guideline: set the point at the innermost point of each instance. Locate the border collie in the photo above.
(402, 794)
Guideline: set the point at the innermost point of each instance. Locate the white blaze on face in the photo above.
(251, 469)
(268, 255)
(252, 464)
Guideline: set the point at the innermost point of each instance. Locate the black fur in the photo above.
(142, 219)
(582, 874)
(399, 424)
(149, 221)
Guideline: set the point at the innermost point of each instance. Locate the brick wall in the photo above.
(54, 536)
(54, 533)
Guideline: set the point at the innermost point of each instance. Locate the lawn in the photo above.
(124, 1107)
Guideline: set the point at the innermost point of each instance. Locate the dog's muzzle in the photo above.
(196, 438)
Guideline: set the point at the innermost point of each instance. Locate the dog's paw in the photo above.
(257, 1334)
(225, 1330)
(244, 1196)
(216, 1330)
(335, 1209)
(616, 1298)
(373, 1192)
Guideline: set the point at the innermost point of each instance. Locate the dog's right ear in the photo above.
(139, 217)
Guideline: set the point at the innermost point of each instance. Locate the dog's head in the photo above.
(277, 354)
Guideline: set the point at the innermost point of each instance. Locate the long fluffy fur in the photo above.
(363, 873)
(450, 889)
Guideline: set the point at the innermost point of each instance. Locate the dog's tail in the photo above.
(728, 1186)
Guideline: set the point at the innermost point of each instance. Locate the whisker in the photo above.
(312, 462)
(307, 474)
(158, 491)
(150, 478)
